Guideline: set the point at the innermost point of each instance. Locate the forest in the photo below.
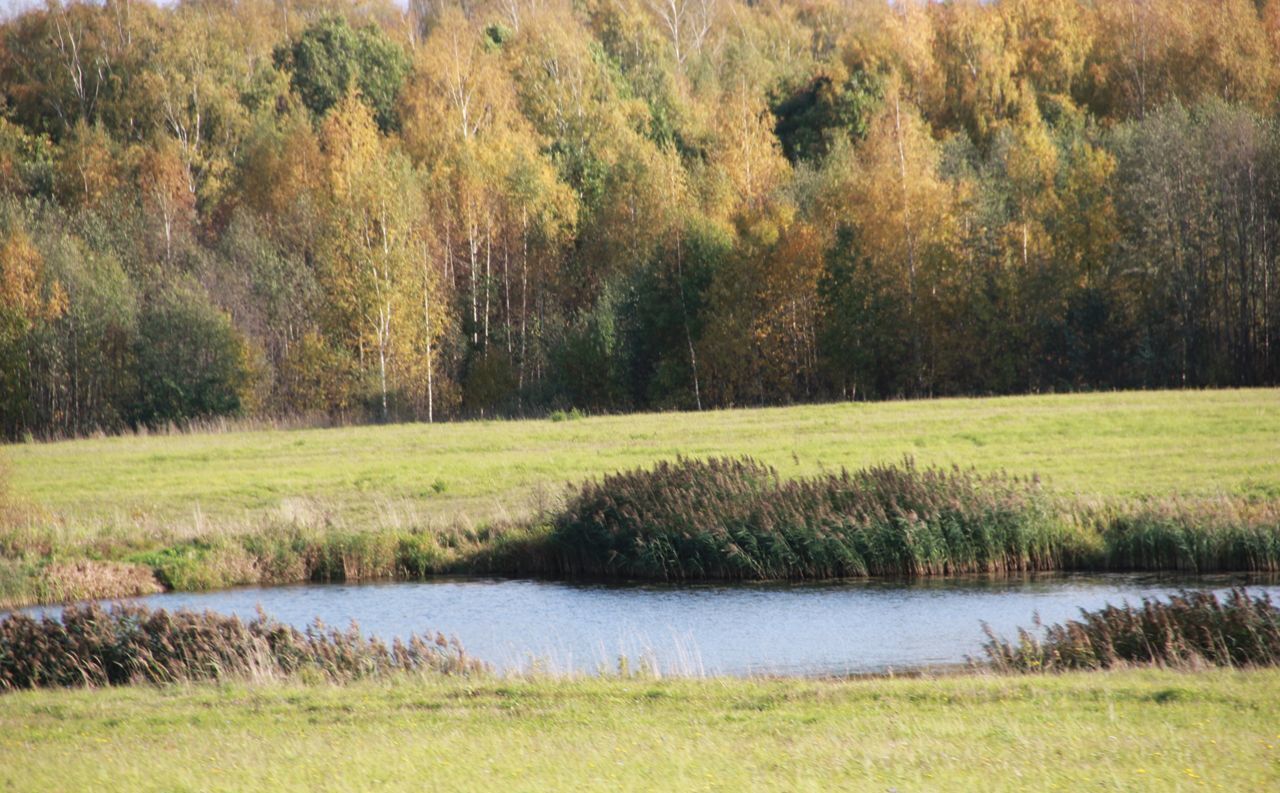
(361, 210)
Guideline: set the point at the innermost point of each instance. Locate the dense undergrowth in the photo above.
(93, 646)
(1190, 630)
(688, 519)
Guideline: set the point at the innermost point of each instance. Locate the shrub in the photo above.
(93, 646)
(1191, 629)
(191, 361)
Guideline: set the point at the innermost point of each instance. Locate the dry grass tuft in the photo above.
(84, 579)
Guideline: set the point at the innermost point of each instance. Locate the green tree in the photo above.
(863, 323)
(331, 58)
(191, 361)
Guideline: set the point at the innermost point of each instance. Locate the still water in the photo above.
(790, 629)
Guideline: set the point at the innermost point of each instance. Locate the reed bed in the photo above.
(1202, 535)
(738, 519)
(95, 646)
(1190, 630)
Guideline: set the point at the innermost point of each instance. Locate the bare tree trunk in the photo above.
(473, 244)
(524, 292)
(684, 314)
(383, 332)
(488, 260)
(506, 291)
(426, 321)
(909, 238)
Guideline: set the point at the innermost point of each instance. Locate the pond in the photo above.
(833, 628)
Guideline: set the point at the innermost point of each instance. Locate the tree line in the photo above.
(370, 211)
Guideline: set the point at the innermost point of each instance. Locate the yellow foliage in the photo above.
(21, 287)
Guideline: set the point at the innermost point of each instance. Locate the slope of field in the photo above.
(1117, 444)
(1135, 730)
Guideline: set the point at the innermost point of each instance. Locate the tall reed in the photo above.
(1191, 629)
(1204, 535)
(94, 646)
(737, 519)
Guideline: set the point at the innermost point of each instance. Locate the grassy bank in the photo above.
(1134, 730)
(117, 515)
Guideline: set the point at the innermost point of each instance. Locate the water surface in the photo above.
(793, 629)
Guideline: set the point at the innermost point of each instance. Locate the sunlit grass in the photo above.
(1122, 444)
(1141, 731)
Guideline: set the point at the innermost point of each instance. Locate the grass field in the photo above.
(1120, 444)
(101, 517)
(171, 503)
(1133, 730)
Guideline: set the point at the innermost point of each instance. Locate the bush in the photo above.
(1191, 629)
(93, 646)
(192, 362)
(736, 519)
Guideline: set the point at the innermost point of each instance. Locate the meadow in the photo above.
(117, 515)
(1117, 731)
(1107, 444)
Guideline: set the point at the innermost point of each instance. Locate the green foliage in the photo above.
(586, 359)
(861, 324)
(191, 360)
(26, 161)
(826, 109)
(15, 393)
(664, 314)
(182, 567)
(330, 59)
(490, 383)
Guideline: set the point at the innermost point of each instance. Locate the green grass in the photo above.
(211, 510)
(1122, 444)
(1133, 730)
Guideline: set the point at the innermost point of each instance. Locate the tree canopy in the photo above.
(383, 211)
